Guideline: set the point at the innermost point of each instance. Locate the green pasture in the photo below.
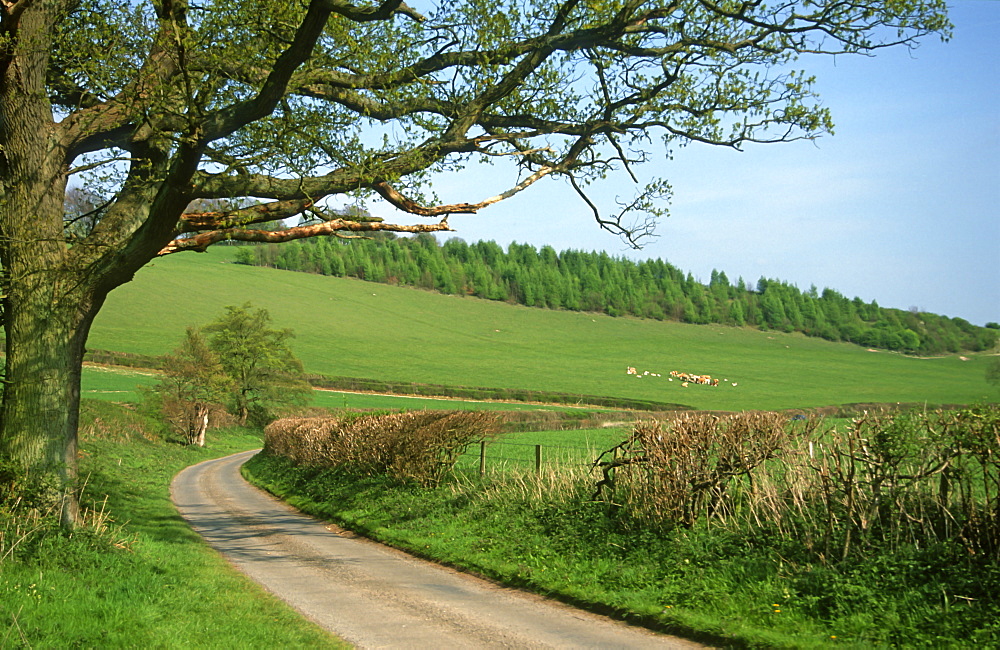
(123, 384)
(114, 384)
(361, 401)
(544, 450)
(352, 328)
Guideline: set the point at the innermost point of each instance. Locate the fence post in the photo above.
(482, 458)
(538, 459)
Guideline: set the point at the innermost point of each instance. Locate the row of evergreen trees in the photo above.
(595, 281)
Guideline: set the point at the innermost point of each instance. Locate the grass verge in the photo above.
(138, 576)
(543, 533)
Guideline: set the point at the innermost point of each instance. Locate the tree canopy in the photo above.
(154, 105)
(264, 372)
(295, 102)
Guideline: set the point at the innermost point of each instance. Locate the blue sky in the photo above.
(899, 206)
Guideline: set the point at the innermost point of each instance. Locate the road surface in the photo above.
(371, 595)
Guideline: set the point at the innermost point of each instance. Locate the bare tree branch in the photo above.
(202, 241)
(395, 198)
(385, 10)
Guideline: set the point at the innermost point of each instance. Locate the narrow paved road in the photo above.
(371, 595)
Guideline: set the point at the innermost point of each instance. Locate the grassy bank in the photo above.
(734, 580)
(353, 328)
(138, 576)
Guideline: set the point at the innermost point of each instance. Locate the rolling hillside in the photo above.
(349, 327)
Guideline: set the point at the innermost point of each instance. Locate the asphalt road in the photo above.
(371, 595)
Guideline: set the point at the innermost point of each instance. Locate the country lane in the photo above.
(371, 595)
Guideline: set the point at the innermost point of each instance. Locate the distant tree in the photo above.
(910, 340)
(736, 314)
(265, 373)
(772, 306)
(193, 381)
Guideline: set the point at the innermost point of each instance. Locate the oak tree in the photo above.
(155, 104)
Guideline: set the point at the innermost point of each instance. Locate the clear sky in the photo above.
(899, 206)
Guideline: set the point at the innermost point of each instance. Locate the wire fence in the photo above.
(524, 456)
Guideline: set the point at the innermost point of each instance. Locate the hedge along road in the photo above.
(371, 595)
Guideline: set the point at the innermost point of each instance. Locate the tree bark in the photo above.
(199, 424)
(46, 334)
(47, 306)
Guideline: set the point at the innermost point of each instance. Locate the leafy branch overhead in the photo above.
(291, 103)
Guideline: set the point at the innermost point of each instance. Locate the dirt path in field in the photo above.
(371, 595)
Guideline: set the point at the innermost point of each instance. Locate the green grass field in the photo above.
(361, 401)
(352, 328)
(575, 449)
(114, 384)
(123, 384)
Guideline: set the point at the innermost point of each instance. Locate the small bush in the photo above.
(419, 446)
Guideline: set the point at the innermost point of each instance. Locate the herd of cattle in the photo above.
(685, 377)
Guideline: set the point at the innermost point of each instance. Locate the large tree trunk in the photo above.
(51, 289)
(52, 293)
(46, 332)
(47, 306)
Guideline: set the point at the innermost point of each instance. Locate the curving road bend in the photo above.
(371, 595)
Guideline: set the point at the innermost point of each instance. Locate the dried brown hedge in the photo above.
(885, 480)
(680, 470)
(420, 446)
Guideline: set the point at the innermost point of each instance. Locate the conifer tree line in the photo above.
(598, 282)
